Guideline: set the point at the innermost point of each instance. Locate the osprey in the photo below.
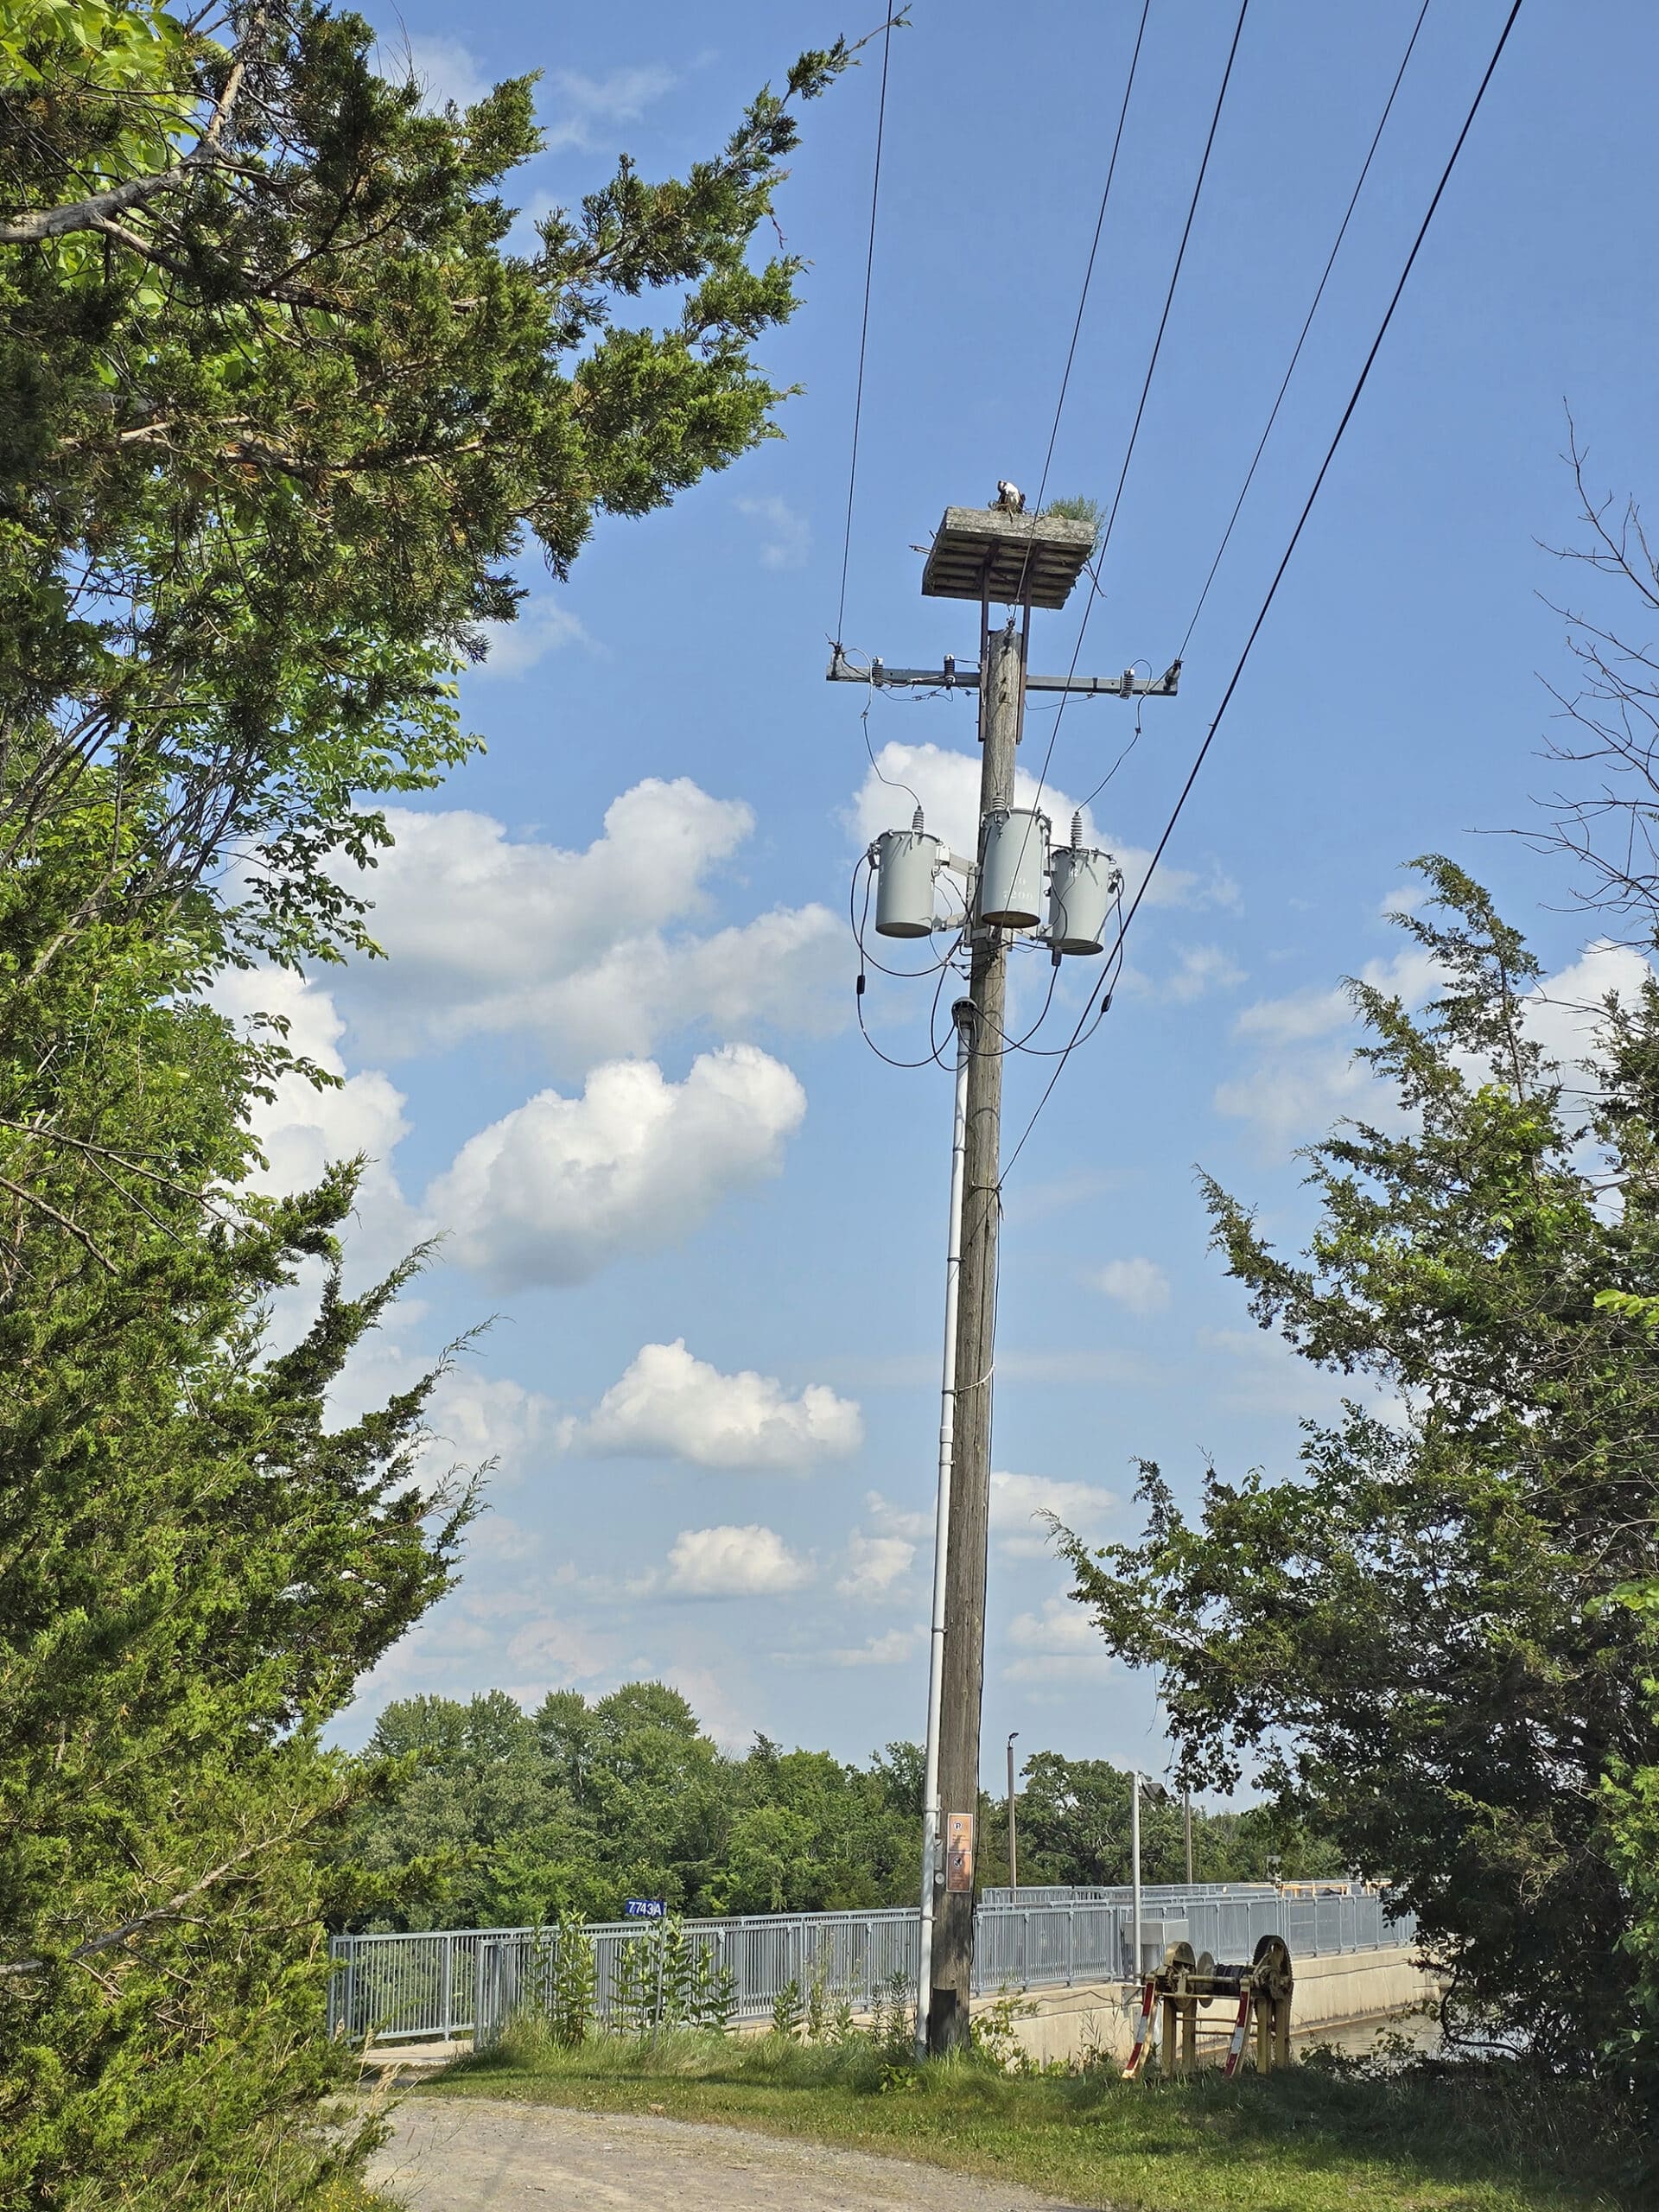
(1009, 498)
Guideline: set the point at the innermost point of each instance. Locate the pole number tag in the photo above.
(646, 1908)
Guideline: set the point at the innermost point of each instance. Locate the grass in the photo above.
(347, 2194)
(1326, 2136)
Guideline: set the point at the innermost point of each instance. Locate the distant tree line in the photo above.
(496, 1817)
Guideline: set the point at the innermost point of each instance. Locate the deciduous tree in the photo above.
(1431, 1639)
(280, 410)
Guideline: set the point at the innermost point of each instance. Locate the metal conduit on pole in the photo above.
(962, 1014)
(1134, 1869)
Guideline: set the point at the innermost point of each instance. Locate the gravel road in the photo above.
(478, 2155)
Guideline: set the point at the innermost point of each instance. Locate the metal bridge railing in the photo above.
(433, 1988)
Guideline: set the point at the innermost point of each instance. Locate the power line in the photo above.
(1169, 296)
(1089, 269)
(864, 324)
(1146, 387)
(1313, 309)
(1008, 1044)
(1279, 573)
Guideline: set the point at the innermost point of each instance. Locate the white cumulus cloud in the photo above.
(473, 1418)
(541, 626)
(891, 1648)
(559, 1187)
(1019, 1501)
(875, 1564)
(892, 1520)
(785, 536)
(1200, 970)
(734, 1562)
(1139, 1284)
(442, 67)
(619, 96)
(670, 1405)
(1565, 1011)
(302, 1128)
(946, 783)
(587, 951)
(1059, 1644)
(1304, 1076)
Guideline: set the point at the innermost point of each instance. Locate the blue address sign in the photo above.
(646, 1908)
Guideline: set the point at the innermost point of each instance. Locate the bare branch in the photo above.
(32, 1198)
(97, 211)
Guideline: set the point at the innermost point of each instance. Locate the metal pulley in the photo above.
(1262, 1990)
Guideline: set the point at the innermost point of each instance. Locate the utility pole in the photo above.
(1000, 557)
(1001, 700)
(1014, 1845)
(1187, 1822)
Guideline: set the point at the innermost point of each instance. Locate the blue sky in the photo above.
(611, 1052)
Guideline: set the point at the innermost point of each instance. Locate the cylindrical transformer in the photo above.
(1081, 887)
(907, 861)
(1011, 876)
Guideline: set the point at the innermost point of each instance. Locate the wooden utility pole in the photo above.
(1002, 699)
(1001, 556)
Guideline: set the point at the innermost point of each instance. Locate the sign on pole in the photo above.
(959, 1854)
(646, 1908)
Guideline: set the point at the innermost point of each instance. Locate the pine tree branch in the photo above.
(173, 1910)
(96, 213)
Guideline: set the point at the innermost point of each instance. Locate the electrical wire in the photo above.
(864, 323)
(1174, 279)
(1284, 563)
(1059, 406)
(1146, 388)
(1134, 739)
(893, 783)
(1307, 324)
(1088, 278)
(932, 1059)
(1113, 976)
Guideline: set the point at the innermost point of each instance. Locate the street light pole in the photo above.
(1013, 1846)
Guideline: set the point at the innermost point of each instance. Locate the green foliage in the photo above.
(1629, 1805)
(1078, 509)
(788, 2011)
(1074, 1828)
(502, 1819)
(196, 1567)
(631, 2002)
(505, 1819)
(568, 1978)
(994, 2034)
(892, 2020)
(829, 2019)
(1436, 1641)
(278, 416)
(278, 427)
